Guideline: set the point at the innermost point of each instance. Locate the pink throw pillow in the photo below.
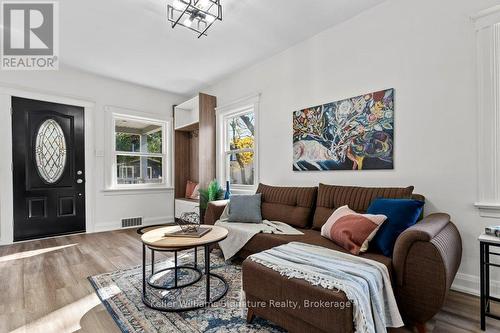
(351, 230)
(191, 187)
(196, 192)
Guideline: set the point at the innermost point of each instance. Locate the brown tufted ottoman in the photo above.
(294, 304)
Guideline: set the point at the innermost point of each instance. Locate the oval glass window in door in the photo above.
(50, 151)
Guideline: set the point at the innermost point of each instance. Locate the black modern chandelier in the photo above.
(196, 15)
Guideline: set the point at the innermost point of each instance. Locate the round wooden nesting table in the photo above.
(155, 240)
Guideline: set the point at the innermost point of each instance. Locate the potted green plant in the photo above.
(213, 192)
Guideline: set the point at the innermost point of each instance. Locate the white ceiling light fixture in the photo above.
(196, 15)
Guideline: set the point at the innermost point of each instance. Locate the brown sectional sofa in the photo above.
(425, 260)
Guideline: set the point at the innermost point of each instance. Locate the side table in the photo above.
(155, 240)
(485, 242)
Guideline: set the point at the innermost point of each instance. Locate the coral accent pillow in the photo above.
(351, 230)
(196, 192)
(191, 189)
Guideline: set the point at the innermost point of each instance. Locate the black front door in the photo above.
(48, 168)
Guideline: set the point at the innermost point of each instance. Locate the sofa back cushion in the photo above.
(291, 205)
(331, 197)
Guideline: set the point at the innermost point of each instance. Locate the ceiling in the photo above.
(131, 40)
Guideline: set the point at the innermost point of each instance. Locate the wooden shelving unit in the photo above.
(194, 147)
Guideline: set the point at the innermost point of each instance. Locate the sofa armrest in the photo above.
(214, 211)
(425, 260)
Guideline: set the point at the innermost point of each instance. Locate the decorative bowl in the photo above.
(189, 222)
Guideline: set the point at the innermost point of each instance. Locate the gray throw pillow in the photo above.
(245, 208)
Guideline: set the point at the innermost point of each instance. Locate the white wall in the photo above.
(425, 50)
(109, 208)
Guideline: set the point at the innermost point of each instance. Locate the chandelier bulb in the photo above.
(188, 22)
(203, 4)
(210, 19)
(179, 5)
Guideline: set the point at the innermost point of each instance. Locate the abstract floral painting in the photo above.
(352, 134)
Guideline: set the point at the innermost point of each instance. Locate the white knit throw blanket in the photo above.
(241, 233)
(365, 282)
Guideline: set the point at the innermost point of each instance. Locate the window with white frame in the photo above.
(237, 135)
(139, 151)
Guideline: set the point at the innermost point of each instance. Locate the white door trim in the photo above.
(6, 192)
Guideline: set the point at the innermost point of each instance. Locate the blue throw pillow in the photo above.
(401, 214)
(245, 208)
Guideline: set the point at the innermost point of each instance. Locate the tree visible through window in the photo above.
(240, 150)
(139, 152)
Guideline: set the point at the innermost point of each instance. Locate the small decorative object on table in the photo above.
(227, 194)
(189, 222)
(493, 230)
(190, 226)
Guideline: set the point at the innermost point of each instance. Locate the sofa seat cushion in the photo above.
(331, 197)
(291, 205)
(264, 285)
(262, 242)
(314, 237)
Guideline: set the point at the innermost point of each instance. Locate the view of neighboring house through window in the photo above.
(240, 138)
(139, 152)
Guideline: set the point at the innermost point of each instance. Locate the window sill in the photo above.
(240, 190)
(136, 190)
(488, 209)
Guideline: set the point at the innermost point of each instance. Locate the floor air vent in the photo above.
(131, 222)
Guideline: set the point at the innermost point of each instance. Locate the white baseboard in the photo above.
(110, 226)
(469, 284)
(116, 225)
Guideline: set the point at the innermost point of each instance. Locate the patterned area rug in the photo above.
(121, 291)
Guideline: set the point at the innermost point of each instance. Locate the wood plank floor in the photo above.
(44, 286)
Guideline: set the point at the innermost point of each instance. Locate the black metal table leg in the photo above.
(152, 261)
(143, 271)
(487, 276)
(209, 277)
(195, 257)
(482, 285)
(175, 269)
(207, 271)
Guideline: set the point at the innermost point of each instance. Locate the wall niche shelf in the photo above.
(194, 148)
